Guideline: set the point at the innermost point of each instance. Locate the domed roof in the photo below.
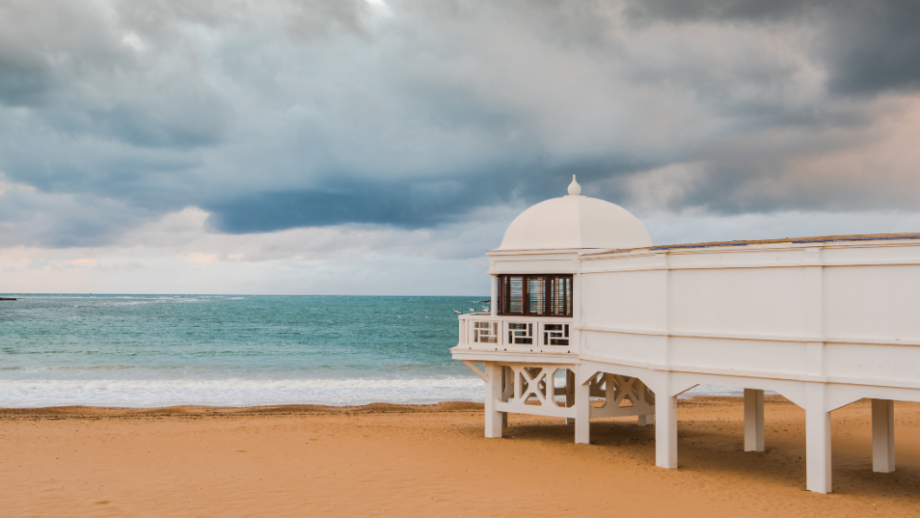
(575, 221)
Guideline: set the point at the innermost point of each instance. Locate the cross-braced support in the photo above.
(524, 389)
(615, 396)
(620, 396)
(531, 389)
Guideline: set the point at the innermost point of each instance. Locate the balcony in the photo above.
(516, 333)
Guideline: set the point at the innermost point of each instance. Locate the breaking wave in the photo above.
(235, 392)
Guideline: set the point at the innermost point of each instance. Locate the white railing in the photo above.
(516, 333)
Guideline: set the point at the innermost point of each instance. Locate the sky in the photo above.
(380, 147)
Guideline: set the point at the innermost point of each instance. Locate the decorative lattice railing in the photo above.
(489, 332)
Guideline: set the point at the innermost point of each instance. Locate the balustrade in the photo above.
(515, 333)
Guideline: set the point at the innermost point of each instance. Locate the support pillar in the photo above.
(645, 420)
(817, 439)
(665, 424)
(494, 419)
(582, 414)
(753, 420)
(569, 392)
(882, 436)
(507, 379)
(493, 304)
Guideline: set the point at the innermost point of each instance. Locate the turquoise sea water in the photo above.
(160, 350)
(154, 350)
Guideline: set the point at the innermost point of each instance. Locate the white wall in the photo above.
(749, 301)
(872, 302)
(838, 312)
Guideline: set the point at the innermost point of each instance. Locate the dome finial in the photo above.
(574, 188)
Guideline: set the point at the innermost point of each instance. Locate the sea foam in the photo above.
(235, 392)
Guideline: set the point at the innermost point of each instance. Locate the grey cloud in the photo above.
(398, 204)
(645, 11)
(409, 203)
(165, 22)
(61, 220)
(189, 119)
(284, 114)
(46, 46)
(875, 47)
(867, 47)
(23, 81)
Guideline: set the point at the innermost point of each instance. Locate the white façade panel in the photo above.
(627, 347)
(866, 302)
(887, 253)
(775, 358)
(554, 264)
(873, 362)
(625, 299)
(738, 257)
(765, 302)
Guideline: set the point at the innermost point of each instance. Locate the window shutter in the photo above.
(535, 295)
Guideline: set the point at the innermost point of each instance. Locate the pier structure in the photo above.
(589, 320)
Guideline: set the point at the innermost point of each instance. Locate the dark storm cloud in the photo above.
(23, 81)
(867, 46)
(411, 203)
(365, 202)
(875, 47)
(294, 113)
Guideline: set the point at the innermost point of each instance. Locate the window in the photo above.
(547, 295)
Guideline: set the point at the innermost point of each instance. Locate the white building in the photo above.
(580, 298)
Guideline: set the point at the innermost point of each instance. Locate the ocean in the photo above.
(162, 350)
(156, 350)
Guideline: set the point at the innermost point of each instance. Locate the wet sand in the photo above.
(432, 461)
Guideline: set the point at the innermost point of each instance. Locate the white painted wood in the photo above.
(616, 391)
(493, 396)
(822, 323)
(753, 420)
(493, 305)
(475, 369)
(817, 440)
(569, 392)
(882, 435)
(665, 424)
(582, 413)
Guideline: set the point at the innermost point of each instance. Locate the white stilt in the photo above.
(665, 426)
(817, 440)
(569, 392)
(582, 414)
(506, 380)
(882, 435)
(753, 420)
(494, 419)
(645, 420)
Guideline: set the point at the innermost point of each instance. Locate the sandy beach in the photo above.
(387, 460)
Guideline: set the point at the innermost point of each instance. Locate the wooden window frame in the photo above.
(504, 288)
